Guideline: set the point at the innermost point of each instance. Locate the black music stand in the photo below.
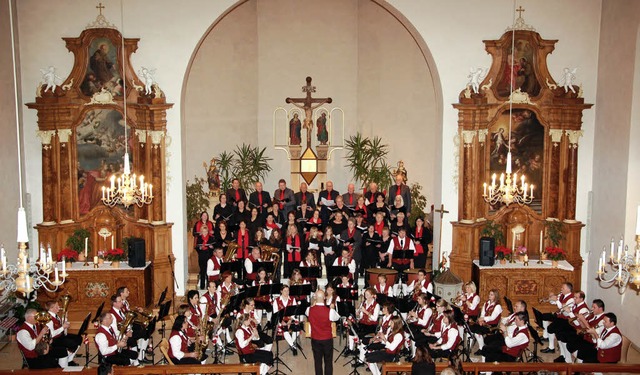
(402, 255)
(536, 341)
(345, 309)
(163, 295)
(235, 267)
(468, 339)
(382, 298)
(336, 271)
(310, 272)
(298, 310)
(507, 301)
(302, 290)
(347, 294)
(275, 319)
(98, 313)
(405, 304)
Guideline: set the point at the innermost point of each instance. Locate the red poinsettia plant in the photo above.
(503, 252)
(555, 253)
(116, 254)
(68, 255)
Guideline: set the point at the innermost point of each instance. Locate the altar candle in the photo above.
(604, 252)
(49, 258)
(541, 239)
(86, 246)
(95, 259)
(55, 271)
(112, 242)
(484, 186)
(103, 193)
(513, 242)
(493, 180)
(526, 258)
(64, 266)
(4, 262)
(638, 222)
(150, 191)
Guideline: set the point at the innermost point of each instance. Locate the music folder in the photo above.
(383, 298)
(300, 290)
(233, 266)
(347, 294)
(294, 310)
(402, 254)
(309, 225)
(268, 266)
(337, 271)
(310, 272)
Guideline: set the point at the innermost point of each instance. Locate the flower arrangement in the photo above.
(555, 253)
(68, 254)
(503, 252)
(521, 250)
(116, 254)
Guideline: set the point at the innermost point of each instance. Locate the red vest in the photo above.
(517, 350)
(366, 319)
(249, 348)
(33, 334)
(488, 310)
(111, 339)
(475, 311)
(437, 324)
(281, 306)
(216, 267)
(445, 336)
(611, 355)
(390, 339)
(224, 290)
(386, 322)
(382, 291)
(119, 318)
(343, 263)
(254, 273)
(212, 302)
(56, 325)
(320, 323)
(421, 312)
(184, 344)
(418, 245)
(396, 246)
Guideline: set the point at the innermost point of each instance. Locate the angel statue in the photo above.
(401, 170)
(49, 76)
(147, 77)
(476, 75)
(568, 75)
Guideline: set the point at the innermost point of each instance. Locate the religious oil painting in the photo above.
(526, 145)
(103, 70)
(520, 70)
(100, 146)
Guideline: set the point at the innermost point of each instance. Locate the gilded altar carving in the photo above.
(556, 136)
(45, 137)
(574, 137)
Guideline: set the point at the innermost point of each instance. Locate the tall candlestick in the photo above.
(613, 248)
(49, 254)
(86, 245)
(64, 267)
(112, 242)
(513, 242)
(600, 265)
(541, 240)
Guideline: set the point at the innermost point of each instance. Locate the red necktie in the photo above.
(112, 332)
(398, 190)
(237, 195)
(260, 200)
(350, 199)
(281, 199)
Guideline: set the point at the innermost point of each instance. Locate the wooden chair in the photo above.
(164, 348)
(626, 343)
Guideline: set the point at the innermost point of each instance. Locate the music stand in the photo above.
(536, 340)
(507, 301)
(402, 254)
(275, 319)
(458, 317)
(98, 313)
(84, 325)
(300, 290)
(235, 266)
(310, 272)
(345, 309)
(298, 310)
(405, 304)
(336, 271)
(163, 295)
(347, 294)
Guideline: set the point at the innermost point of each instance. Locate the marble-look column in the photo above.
(49, 178)
(572, 173)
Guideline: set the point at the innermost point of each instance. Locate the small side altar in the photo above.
(89, 286)
(528, 283)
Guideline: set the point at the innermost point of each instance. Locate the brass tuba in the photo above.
(125, 325)
(64, 307)
(230, 255)
(42, 318)
(270, 254)
(143, 317)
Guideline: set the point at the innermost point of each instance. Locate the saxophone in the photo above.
(204, 328)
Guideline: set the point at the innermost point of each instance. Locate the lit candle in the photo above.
(86, 246)
(49, 258)
(103, 193)
(531, 191)
(493, 180)
(513, 242)
(95, 259)
(638, 222)
(613, 247)
(112, 242)
(604, 253)
(150, 191)
(113, 180)
(4, 262)
(509, 162)
(55, 271)
(541, 240)
(484, 186)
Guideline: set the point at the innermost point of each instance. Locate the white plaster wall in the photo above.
(170, 30)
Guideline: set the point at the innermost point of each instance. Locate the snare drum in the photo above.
(373, 273)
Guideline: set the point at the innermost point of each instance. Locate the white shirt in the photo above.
(176, 345)
(210, 268)
(411, 287)
(612, 340)
(497, 311)
(374, 315)
(521, 337)
(379, 288)
(24, 337)
(426, 317)
(54, 332)
(351, 265)
(248, 265)
(395, 341)
(451, 338)
(103, 343)
(392, 245)
(240, 337)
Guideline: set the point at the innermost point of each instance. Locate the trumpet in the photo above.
(564, 308)
(544, 300)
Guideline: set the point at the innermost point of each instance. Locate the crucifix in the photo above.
(441, 211)
(308, 104)
(520, 10)
(100, 7)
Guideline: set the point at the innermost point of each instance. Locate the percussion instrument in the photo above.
(412, 274)
(373, 273)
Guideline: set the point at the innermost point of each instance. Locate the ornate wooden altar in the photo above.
(546, 127)
(80, 125)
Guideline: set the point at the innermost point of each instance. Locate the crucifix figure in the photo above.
(441, 211)
(100, 7)
(308, 104)
(520, 10)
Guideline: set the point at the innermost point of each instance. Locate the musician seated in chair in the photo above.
(247, 350)
(419, 285)
(214, 264)
(607, 340)
(248, 307)
(346, 261)
(581, 339)
(367, 317)
(30, 337)
(563, 301)
(251, 263)
(448, 337)
(419, 320)
(470, 301)
(112, 344)
(179, 345)
(436, 323)
(392, 346)
(58, 326)
(496, 338)
(382, 287)
(288, 327)
(564, 329)
(490, 315)
(516, 339)
(140, 337)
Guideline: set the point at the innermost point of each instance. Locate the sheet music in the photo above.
(327, 203)
(327, 250)
(279, 225)
(314, 246)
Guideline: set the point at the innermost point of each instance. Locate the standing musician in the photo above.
(342, 208)
(30, 337)
(400, 222)
(367, 316)
(320, 317)
(392, 346)
(350, 198)
(302, 216)
(563, 328)
(516, 339)
(313, 241)
(315, 219)
(214, 264)
(383, 254)
(379, 222)
(419, 285)
(419, 321)
(582, 340)
(243, 239)
(248, 308)
(260, 199)
(287, 327)
(490, 315)
(382, 287)
(279, 217)
(370, 193)
(448, 337)
(204, 249)
(338, 223)
(293, 250)
(563, 301)
(346, 261)
(608, 342)
(241, 213)
(285, 197)
(422, 236)
(402, 190)
(251, 263)
(401, 242)
(255, 223)
(470, 301)
(113, 350)
(62, 341)
(179, 345)
(379, 207)
(247, 349)
(236, 194)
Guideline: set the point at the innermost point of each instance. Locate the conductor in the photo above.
(320, 318)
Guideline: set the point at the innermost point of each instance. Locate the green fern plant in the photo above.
(76, 240)
(197, 198)
(555, 231)
(250, 164)
(418, 200)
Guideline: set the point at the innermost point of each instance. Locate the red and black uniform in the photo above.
(247, 350)
(204, 248)
(401, 244)
(294, 257)
(184, 349)
(198, 226)
(254, 268)
(244, 241)
(421, 237)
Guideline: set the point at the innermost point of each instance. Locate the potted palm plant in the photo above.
(367, 160)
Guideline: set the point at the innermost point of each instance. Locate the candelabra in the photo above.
(124, 189)
(625, 267)
(508, 191)
(25, 277)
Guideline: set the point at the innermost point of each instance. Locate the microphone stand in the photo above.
(173, 290)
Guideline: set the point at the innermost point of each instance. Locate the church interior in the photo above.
(199, 95)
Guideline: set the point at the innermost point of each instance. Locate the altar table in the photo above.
(519, 282)
(89, 286)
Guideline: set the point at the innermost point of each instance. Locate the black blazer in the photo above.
(309, 198)
(231, 196)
